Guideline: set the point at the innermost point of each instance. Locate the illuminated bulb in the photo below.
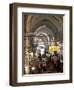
(33, 68)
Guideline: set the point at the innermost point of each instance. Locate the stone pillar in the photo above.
(27, 44)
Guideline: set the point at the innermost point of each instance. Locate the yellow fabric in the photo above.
(54, 48)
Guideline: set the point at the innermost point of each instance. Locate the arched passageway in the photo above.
(41, 31)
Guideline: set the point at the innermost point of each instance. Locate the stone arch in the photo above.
(45, 31)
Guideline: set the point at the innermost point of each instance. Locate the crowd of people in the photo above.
(47, 63)
(51, 61)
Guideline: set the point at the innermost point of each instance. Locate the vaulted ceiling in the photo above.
(53, 24)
